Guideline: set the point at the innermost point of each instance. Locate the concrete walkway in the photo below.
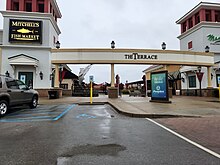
(141, 107)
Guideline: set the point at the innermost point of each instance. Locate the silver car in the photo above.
(14, 92)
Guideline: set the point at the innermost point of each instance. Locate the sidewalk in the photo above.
(181, 106)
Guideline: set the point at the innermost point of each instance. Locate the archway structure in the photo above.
(130, 56)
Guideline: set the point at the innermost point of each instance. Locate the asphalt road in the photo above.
(72, 134)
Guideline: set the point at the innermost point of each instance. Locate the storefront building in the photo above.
(200, 31)
(28, 48)
(30, 31)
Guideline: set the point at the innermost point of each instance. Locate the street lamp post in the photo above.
(60, 67)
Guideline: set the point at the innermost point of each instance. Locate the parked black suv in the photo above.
(14, 92)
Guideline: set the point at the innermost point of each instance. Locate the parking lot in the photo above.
(41, 113)
(82, 134)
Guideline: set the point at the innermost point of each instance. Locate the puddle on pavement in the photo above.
(96, 150)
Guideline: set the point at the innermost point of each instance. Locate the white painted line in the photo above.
(184, 138)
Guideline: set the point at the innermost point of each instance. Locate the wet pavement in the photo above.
(94, 134)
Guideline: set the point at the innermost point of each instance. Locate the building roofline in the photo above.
(152, 68)
(32, 15)
(198, 26)
(196, 8)
(57, 8)
(24, 55)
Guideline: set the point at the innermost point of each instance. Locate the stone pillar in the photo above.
(209, 77)
(112, 75)
(112, 91)
(166, 67)
(56, 79)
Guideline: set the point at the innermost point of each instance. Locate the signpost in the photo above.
(159, 87)
(91, 79)
(218, 78)
(199, 76)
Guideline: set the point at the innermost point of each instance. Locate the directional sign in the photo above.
(199, 75)
(219, 80)
(91, 78)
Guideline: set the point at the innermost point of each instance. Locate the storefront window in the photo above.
(192, 81)
(28, 6)
(16, 6)
(208, 15)
(217, 16)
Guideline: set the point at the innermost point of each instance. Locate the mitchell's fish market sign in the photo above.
(25, 31)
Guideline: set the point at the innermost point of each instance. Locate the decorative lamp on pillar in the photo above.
(41, 75)
(58, 45)
(207, 48)
(7, 74)
(163, 45)
(113, 44)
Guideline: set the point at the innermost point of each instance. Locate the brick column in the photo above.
(202, 15)
(187, 24)
(46, 6)
(21, 5)
(213, 15)
(34, 5)
(194, 20)
(8, 5)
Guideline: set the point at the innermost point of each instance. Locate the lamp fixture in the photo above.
(58, 45)
(7, 74)
(163, 45)
(41, 75)
(207, 49)
(113, 44)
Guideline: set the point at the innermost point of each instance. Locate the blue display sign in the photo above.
(218, 79)
(159, 86)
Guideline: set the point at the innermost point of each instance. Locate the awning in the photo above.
(23, 59)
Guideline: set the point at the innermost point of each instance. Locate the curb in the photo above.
(152, 116)
(120, 111)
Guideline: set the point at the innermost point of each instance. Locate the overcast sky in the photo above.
(130, 23)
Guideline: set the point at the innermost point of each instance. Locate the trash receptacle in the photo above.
(53, 94)
(177, 92)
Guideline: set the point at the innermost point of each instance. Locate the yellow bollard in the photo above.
(91, 92)
(219, 91)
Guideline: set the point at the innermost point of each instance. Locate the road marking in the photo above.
(184, 138)
(64, 112)
(33, 116)
(80, 116)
